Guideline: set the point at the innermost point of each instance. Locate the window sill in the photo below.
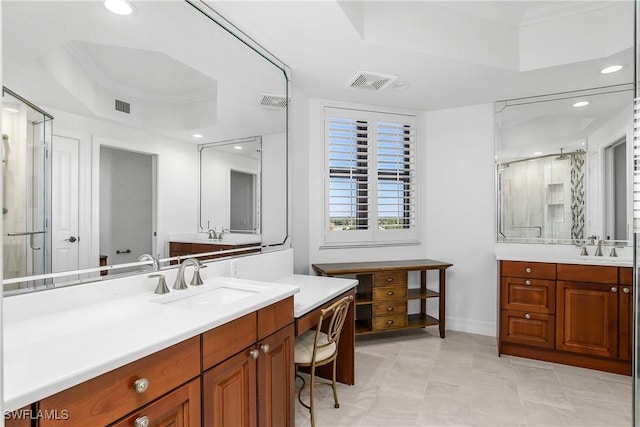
(350, 245)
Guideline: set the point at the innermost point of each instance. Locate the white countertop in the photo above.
(563, 254)
(56, 339)
(227, 238)
(315, 290)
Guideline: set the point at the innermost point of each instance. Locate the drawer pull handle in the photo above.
(527, 316)
(264, 348)
(527, 282)
(390, 308)
(389, 322)
(389, 279)
(614, 289)
(390, 293)
(626, 290)
(143, 421)
(527, 270)
(254, 354)
(141, 385)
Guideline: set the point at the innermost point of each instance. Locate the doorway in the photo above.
(243, 202)
(615, 191)
(127, 204)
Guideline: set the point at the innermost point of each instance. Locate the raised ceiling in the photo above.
(446, 53)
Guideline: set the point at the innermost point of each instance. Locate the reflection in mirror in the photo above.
(122, 88)
(562, 167)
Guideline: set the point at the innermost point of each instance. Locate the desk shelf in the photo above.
(383, 293)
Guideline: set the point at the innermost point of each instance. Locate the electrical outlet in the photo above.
(234, 268)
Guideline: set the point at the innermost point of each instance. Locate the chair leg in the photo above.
(311, 390)
(335, 391)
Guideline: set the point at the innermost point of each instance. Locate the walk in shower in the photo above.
(26, 136)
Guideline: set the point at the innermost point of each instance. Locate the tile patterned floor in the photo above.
(413, 378)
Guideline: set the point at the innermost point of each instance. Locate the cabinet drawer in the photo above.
(534, 295)
(389, 293)
(538, 270)
(588, 273)
(226, 340)
(382, 323)
(113, 395)
(389, 278)
(181, 407)
(520, 327)
(625, 275)
(390, 308)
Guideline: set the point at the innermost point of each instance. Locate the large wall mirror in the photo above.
(563, 167)
(104, 119)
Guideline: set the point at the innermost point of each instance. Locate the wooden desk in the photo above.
(315, 294)
(383, 293)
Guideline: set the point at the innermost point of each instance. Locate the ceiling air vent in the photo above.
(123, 106)
(272, 100)
(371, 81)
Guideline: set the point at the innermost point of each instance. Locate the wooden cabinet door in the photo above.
(626, 322)
(587, 318)
(276, 376)
(180, 408)
(229, 392)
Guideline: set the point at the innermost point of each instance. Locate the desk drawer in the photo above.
(389, 293)
(390, 308)
(390, 278)
(382, 323)
(113, 395)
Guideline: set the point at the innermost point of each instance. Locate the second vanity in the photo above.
(575, 311)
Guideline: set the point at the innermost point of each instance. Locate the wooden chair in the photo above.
(320, 347)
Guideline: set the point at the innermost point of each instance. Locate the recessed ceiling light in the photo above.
(119, 7)
(11, 110)
(581, 104)
(537, 153)
(611, 69)
(197, 135)
(237, 147)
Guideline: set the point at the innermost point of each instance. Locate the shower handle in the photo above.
(30, 234)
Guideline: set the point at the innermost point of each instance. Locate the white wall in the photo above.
(460, 224)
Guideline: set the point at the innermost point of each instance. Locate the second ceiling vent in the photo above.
(371, 81)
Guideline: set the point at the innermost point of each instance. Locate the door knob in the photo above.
(71, 239)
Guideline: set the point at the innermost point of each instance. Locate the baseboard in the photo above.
(471, 326)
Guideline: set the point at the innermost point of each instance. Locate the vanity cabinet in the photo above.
(383, 293)
(567, 313)
(189, 249)
(253, 386)
(239, 373)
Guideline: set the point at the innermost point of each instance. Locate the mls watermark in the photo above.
(29, 414)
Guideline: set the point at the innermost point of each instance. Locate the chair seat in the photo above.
(304, 347)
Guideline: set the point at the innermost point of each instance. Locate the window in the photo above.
(370, 188)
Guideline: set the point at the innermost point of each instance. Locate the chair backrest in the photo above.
(338, 312)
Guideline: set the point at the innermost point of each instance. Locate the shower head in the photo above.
(562, 156)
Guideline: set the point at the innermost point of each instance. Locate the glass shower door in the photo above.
(26, 136)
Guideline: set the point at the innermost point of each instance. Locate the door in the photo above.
(229, 392)
(64, 204)
(242, 204)
(587, 318)
(276, 379)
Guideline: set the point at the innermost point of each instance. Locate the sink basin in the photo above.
(206, 300)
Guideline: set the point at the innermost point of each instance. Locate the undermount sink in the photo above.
(206, 300)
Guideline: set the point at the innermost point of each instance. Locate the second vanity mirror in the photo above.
(563, 167)
(130, 102)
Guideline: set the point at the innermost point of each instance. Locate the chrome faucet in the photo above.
(161, 288)
(599, 249)
(154, 260)
(195, 280)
